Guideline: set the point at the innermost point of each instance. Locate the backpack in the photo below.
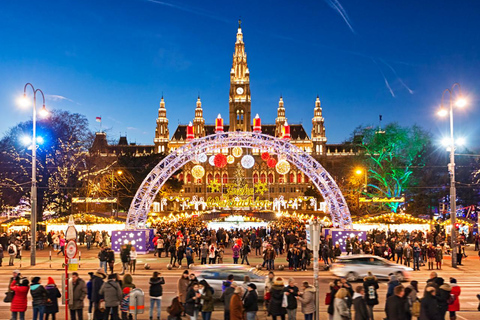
(11, 250)
(416, 306)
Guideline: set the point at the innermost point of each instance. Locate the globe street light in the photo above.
(460, 103)
(33, 195)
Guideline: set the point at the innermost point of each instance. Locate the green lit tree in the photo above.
(389, 155)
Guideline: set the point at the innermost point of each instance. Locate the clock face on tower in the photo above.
(239, 90)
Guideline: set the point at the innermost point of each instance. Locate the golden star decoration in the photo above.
(214, 186)
(261, 187)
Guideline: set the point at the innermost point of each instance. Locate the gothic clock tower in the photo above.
(239, 97)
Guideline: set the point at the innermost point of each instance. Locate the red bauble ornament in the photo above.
(272, 162)
(265, 156)
(220, 160)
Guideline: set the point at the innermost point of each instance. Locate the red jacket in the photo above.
(19, 302)
(455, 306)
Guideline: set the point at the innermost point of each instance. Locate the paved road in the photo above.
(467, 277)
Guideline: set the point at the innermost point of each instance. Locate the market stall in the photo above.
(86, 221)
(394, 222)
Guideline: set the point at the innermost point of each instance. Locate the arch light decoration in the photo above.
(145, 195)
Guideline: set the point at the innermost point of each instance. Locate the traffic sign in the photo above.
(71, 233)
(71, 249)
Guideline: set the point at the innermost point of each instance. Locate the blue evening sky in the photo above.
(363, 58)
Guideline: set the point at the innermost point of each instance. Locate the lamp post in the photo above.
(451, 166)
(33, 194)
(119, 172)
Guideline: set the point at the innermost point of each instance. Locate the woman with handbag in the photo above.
(307, 299)
(19, 301)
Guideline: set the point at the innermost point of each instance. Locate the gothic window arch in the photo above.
(292, 177)
(217, 177)
(263, 177)
(225, 178)
(189, 178)
(255, 177)
(270, 178)
(299, 177)
(209, 178)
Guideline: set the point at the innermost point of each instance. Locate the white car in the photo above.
(216, 274)
(356, 267)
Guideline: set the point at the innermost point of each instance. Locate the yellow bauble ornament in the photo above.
(230, 159)
(198, 172)
(282, 167)
(237, 152)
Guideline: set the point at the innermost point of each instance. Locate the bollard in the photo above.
(137, 302)
(50, 258)
(79, 255)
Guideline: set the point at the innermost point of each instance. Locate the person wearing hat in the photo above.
(39, 298)
(97, 283)
(75, 302)
(275, 307)
(307, 299)
(236, 305)
(19, 301)
(429, 305)
(182, 287)
(250, 302)
(51, 307)
(455, 305)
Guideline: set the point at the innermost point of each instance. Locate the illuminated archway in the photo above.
(141, 203)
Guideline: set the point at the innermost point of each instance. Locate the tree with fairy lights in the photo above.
(239, 176)
(389, 154)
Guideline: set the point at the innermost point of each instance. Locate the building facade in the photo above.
(293, 184)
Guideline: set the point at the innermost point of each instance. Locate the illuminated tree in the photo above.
(389, 155)
(60, 158)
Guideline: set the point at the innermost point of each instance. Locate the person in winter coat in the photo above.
(370, 284)
(443, 297)
(156, 292)
(341, 311)
(250, 302)
(429, 309)
(19, 301)
(396, 307)
(439, 257)
(455, 305)
(276, 298)
(307, 300)
(334, 287)
(192, 302)
(182, 286)
(97, 283)
(75, 302)
(12, 252)
(292, 293)
(206, 299)
(113, 296)
(227, 296)
(39, 298)
(236, 305)
(359, 304)
(51, 307)
(133, 260)
(125, 303)
(391, 285)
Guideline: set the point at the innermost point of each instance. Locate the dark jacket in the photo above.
(156, 289)
(191, 303)
(391, 285)
(97, 282)
(429, 308)
(291, 298)
(370, 284)
(396, 308)
(79, 290)
(250, 302)
(227, 296)
(52, 295)
(443, 296)
(276, 296)
(360, 307)
(333, 292)
(39, 295)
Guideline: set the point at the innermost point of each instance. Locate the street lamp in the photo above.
(360, 171)
(33, 195)
(460, 103)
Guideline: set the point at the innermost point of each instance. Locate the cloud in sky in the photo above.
(56, 97)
